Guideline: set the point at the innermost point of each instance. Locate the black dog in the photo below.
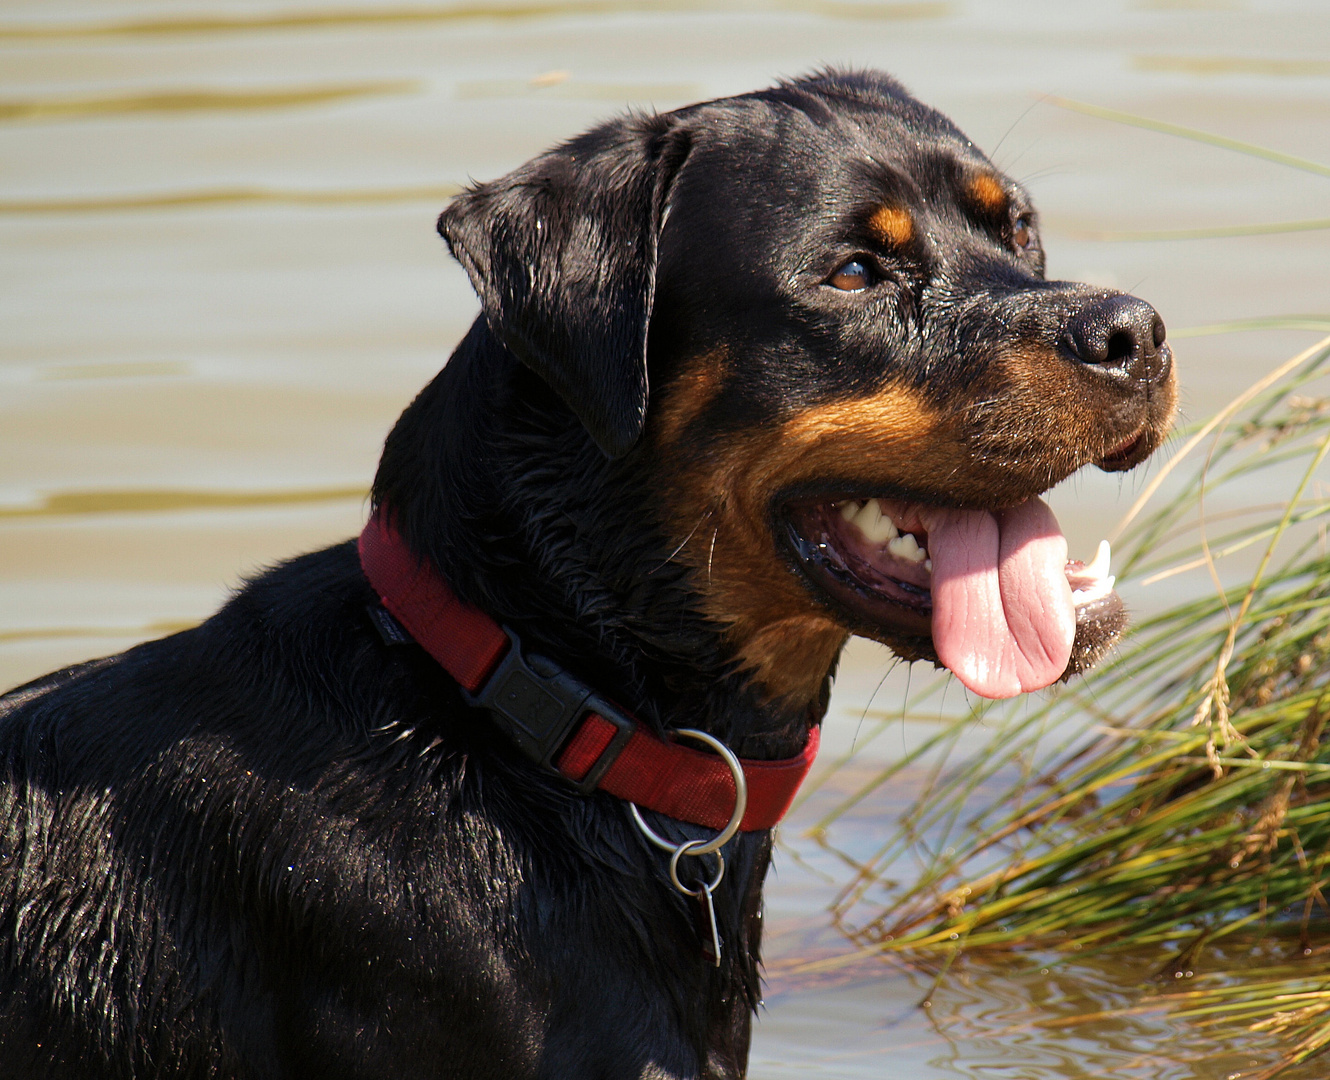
(289, 843)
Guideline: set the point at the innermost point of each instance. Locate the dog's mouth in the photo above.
(989, 595)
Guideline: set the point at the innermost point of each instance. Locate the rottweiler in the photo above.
(749, 377)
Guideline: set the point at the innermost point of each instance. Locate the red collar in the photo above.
(559, 721)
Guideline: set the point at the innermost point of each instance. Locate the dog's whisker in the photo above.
(684, 542)
(1014, 124)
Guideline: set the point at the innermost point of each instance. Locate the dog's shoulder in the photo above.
(292, 635)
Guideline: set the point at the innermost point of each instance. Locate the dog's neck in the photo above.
(492, 479)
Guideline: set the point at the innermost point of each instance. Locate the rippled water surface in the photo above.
(221, 284)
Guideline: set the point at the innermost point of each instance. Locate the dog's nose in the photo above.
(1122, 332)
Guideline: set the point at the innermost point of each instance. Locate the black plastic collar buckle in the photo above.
(538, 704)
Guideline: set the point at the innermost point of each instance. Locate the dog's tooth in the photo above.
(1094, 591)
(907, 547)
(1098, 568)
(875, 525)
(928, 565)
(882, 510)
(848, 509)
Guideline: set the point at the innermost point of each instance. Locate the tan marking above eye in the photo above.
(988, 193)
(892, 225)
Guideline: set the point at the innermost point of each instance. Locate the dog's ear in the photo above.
(563, 255)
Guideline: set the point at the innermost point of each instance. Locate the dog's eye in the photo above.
(1022, 234)
(854, 276)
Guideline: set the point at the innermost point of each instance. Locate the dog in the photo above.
(749, 377)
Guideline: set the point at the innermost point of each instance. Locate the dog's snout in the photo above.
(1119, 332)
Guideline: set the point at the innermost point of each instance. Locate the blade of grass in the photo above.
(1195, 135)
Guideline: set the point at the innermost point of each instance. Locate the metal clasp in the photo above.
(703, 890)
(538, 704)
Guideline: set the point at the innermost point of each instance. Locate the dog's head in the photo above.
(860, 379)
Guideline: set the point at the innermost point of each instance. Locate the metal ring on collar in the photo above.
(688, 848)
(740, 804)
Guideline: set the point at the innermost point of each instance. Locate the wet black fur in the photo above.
(275, 846)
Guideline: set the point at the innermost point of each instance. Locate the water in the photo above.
(221, 284)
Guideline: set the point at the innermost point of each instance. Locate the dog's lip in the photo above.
(1124, 454)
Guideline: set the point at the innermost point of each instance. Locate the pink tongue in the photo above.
(1003, 617)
